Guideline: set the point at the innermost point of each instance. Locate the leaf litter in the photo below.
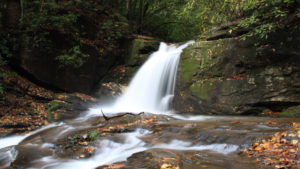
(279, 151)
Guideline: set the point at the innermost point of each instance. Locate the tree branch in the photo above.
(151, 15)
(161, 25)
(109, 118)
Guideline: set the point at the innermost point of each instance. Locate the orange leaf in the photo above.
(271, 122)
(236, 121)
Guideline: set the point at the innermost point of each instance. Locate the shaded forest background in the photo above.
(104, 24)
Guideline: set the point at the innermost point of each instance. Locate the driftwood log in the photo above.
(109, 118)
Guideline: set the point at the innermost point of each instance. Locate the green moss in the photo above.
(202, 56)
(129, 72)
(291, 111)
(190, 68)
(94, 135)
(52, 106)
(46, 105)
(131, 62)
(202, 89)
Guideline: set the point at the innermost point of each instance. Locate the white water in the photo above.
(112, 152)
(151, 90)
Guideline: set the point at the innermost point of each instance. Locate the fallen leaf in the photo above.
(165, 166)
(271, 122)
(295, 142)
(279, 166)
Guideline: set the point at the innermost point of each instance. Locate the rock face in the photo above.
(44, 68)
(221, 74)
(98, 68)
(135, 53)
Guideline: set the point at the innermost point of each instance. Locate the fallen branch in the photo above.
(25, 90)
(35, 97)
(7, 110)
(108, 118)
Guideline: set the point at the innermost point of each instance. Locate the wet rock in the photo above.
(70, 138)
(67, 106)
(110, 92)
(115, 166)
(231, 76)
(7, 155)
(28, 154)
(291, 111)
(154, 159)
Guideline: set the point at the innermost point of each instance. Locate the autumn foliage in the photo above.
(279, 151)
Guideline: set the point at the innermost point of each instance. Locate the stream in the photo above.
(149, 140)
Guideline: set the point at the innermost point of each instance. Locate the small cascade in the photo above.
(152, 88)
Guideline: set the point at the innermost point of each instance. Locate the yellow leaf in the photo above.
(165, 166)
(230, 31)
(295, 142)
(258, 148)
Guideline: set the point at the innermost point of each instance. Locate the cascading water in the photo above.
(152, 88)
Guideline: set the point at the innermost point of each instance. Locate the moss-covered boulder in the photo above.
(224, 75)
(291, 111)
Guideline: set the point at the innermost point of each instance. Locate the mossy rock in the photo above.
(53, 106)
(221, 74)
(291, 111)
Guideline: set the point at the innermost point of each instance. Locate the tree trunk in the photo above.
(129, 14)
(146, 8)
(140, 15)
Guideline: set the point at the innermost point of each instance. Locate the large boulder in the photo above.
(220, 74)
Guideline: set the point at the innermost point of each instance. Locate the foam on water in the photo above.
(183, 145)
(110, 152)
(14, 140)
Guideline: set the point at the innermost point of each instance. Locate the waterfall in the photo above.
(152, 88)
